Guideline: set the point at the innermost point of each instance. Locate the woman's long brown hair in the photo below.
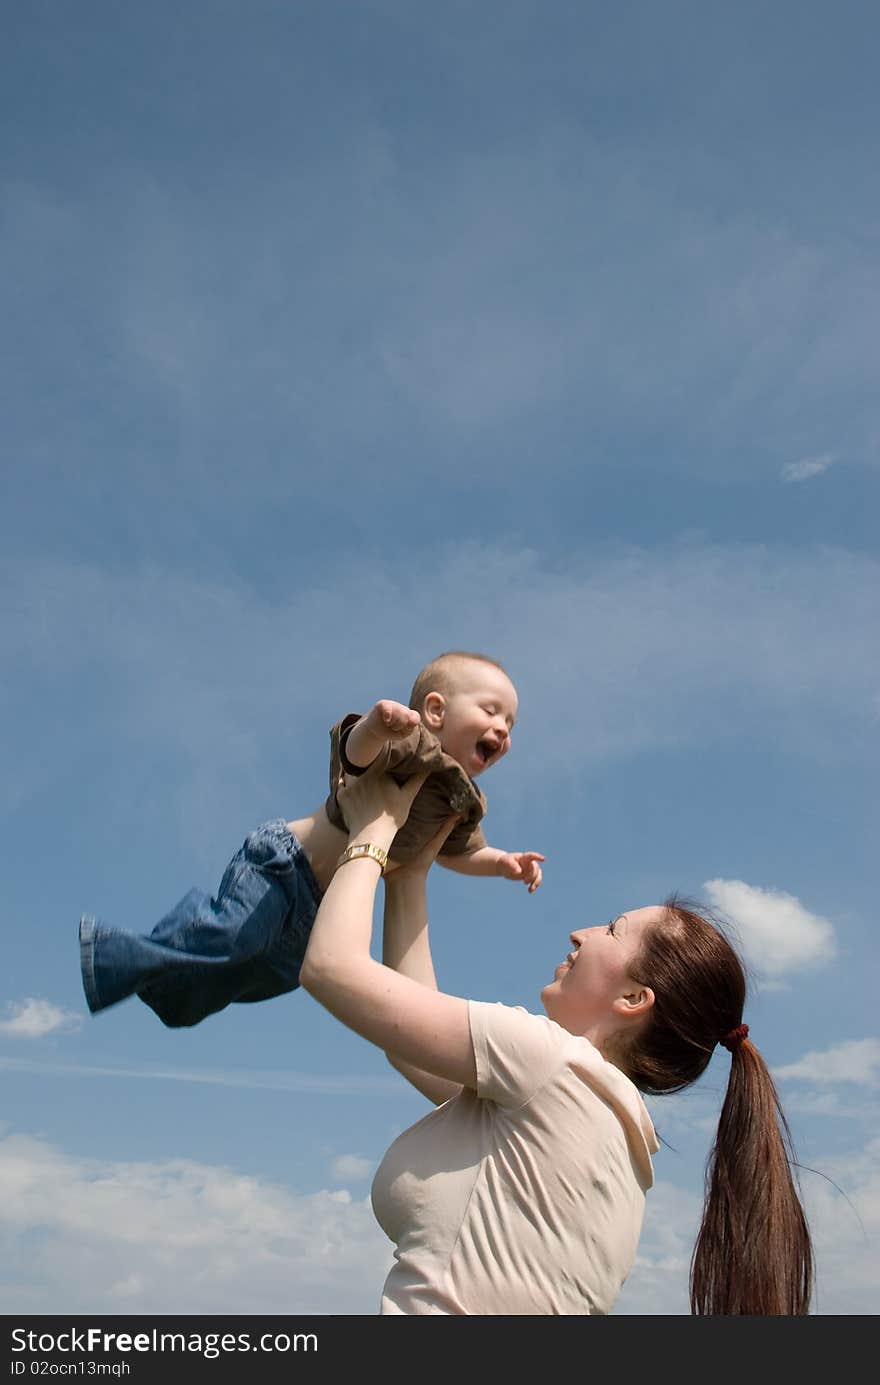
(753, 1253)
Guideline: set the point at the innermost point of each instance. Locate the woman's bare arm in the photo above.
(420, 1026)
(407, 950)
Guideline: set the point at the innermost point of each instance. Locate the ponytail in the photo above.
(753, 1253)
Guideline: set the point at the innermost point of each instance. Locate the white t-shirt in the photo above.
(526, 1196)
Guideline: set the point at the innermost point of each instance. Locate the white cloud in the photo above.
(183, 1237)
(845, 1225)
(658, 1282)
(807, 467)
(178, 1237)
(778, 934)
(856, 1061)
(33, 1018)
(351, 1167)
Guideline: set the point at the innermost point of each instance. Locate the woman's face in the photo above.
(595, 974)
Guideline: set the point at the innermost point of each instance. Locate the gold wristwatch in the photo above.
(353, 853)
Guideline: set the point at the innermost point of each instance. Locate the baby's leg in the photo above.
(245, 944)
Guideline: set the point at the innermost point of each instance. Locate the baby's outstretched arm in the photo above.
(385, 721)
(524, 866)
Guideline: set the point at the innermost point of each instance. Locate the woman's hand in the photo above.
(375, 806)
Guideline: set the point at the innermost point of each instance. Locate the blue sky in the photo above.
(335, 336)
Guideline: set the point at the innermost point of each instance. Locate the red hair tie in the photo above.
(735, 1037)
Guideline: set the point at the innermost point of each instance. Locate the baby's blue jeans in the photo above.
(245, 944)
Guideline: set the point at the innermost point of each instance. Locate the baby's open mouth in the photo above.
(485, 750)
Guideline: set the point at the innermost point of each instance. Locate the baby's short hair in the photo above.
(440, 674)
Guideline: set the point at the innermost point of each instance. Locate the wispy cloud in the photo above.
(826, 1104)
(647, 669)
(807, 467)
(424, 291)
(33, 1019)
(258, 1081)
(459, 312)
(856, 1061)
(779, 935)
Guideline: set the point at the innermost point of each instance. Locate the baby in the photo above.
(248, 942)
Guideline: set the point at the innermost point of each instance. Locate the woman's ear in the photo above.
(434, 710)
(634, 1003)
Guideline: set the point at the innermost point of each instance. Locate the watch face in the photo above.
(360, 849)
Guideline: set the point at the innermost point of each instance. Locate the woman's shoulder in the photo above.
(516, 1038)
(515, 1051)
(500, 1014)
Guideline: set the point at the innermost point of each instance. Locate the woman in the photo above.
(523, 1193)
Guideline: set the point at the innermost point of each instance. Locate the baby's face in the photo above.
(476, 717)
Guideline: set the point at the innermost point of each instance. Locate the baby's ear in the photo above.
(434, 710)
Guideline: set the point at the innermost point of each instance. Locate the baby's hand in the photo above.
(522, 865)
(391, 721)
